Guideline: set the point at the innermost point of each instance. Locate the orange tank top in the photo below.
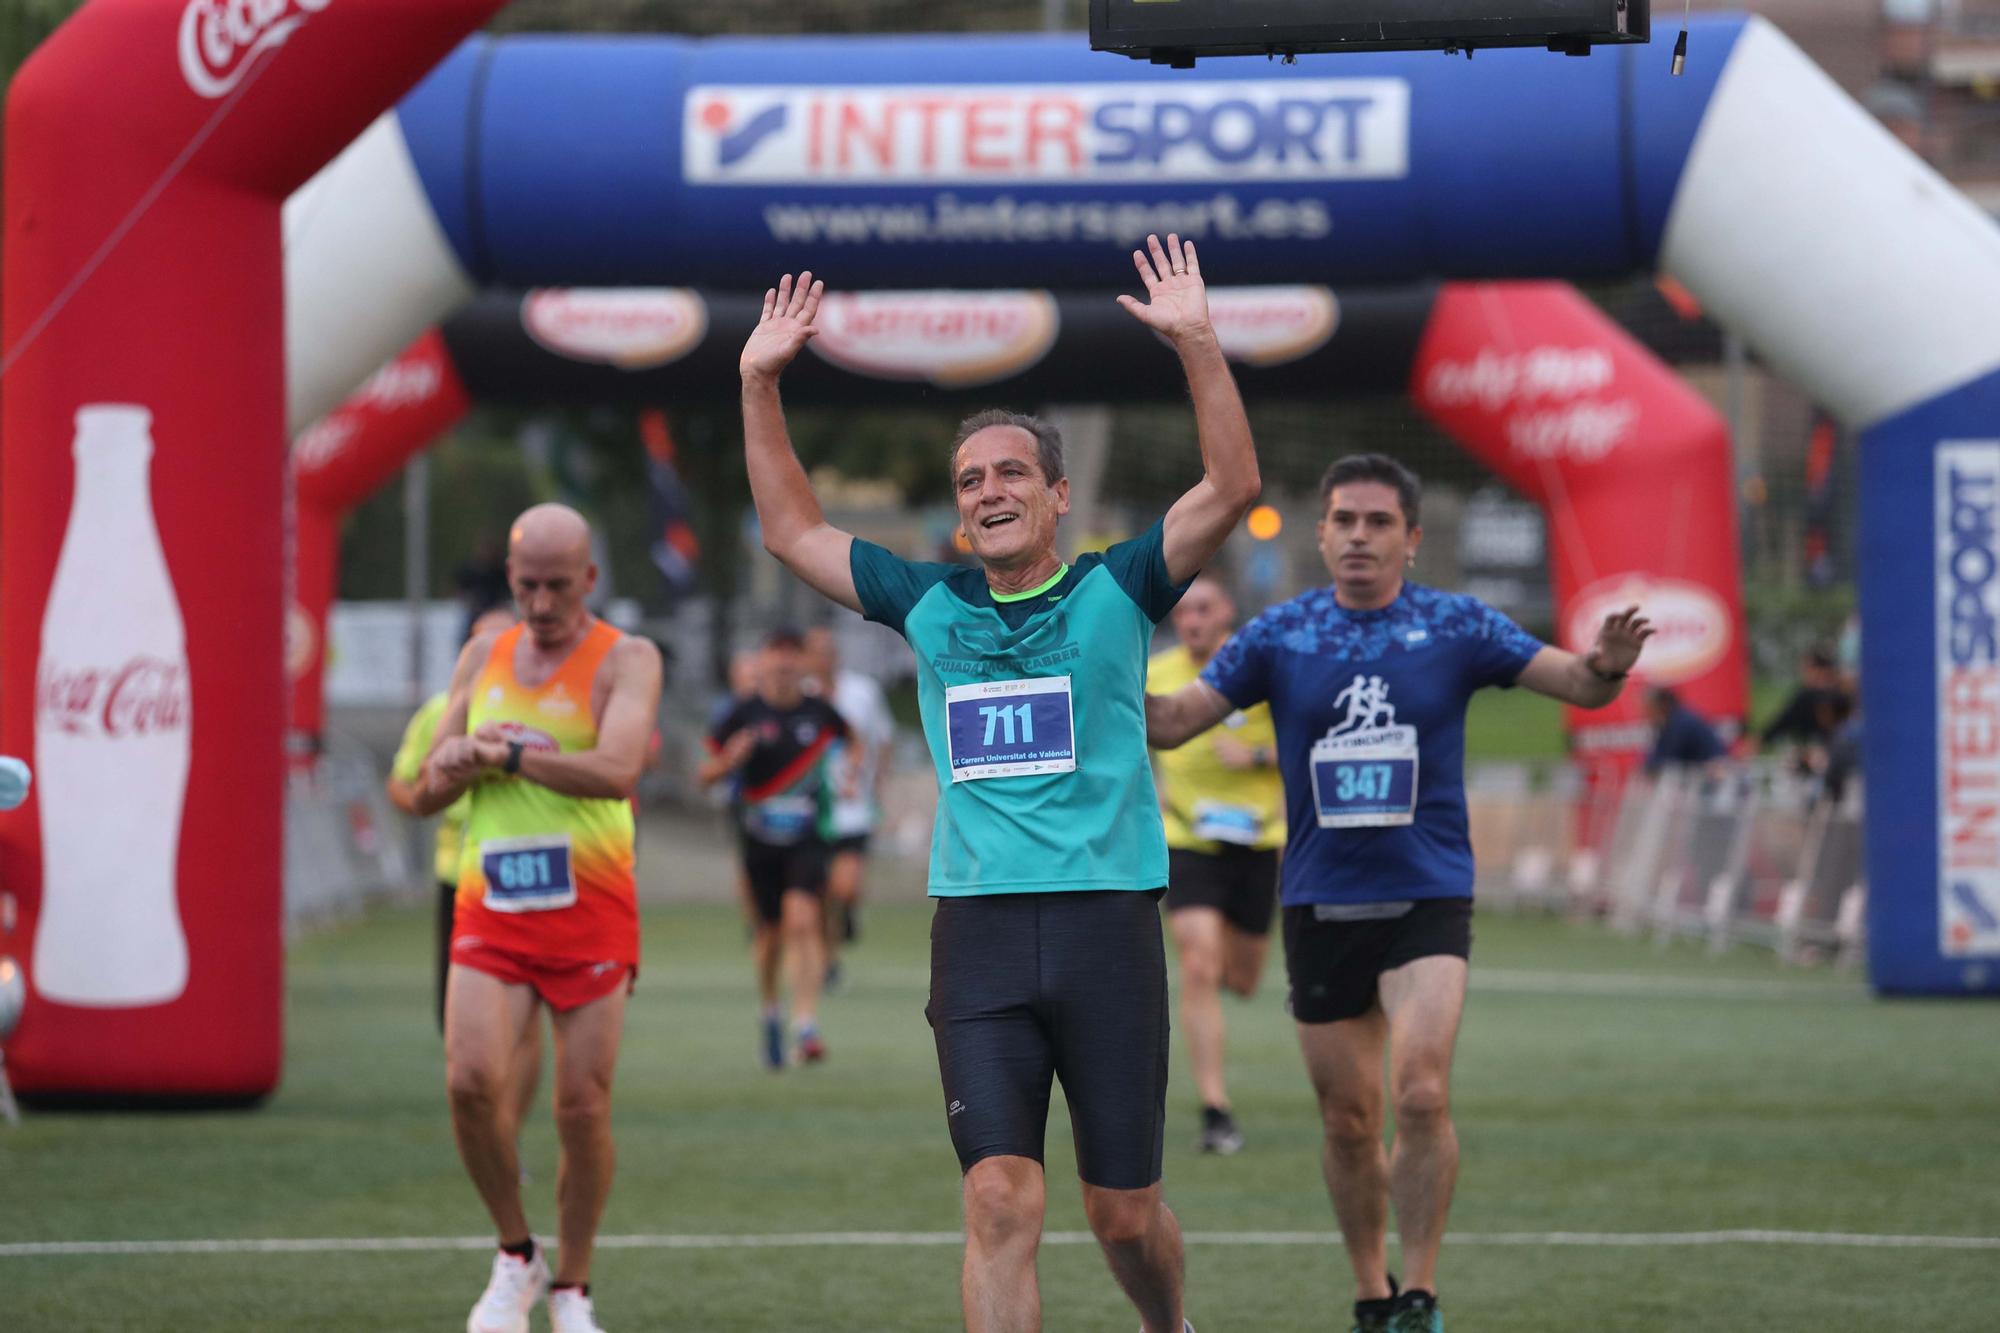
(542, 873)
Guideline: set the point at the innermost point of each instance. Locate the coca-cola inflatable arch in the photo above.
(150, 140)
(150, 147)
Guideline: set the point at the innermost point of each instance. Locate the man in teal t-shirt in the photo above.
(1048, 857)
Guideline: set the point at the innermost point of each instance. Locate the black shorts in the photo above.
(1239, 882)
(1074, 985)
(1334, 965)
(773, 871)
(853, 842)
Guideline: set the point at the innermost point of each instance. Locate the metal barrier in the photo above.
(345, 845)
(1745, 853)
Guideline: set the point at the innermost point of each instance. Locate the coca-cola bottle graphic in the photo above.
(112, 724)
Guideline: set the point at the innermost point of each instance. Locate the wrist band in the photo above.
(1608, 677)
(513, 764)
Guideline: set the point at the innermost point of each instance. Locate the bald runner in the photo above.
(545, 731)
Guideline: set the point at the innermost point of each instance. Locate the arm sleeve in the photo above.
(889, 585)
(1501, 650)
(1140, 567)
(417, 738)
(1240, 671)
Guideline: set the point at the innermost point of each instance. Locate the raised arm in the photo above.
(609, 769)
(1595, 678)
(794, 527)
(1172, 720)
(1177, 309)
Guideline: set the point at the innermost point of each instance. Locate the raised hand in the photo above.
(783, 328)
(1619, 640)
(1177, 300)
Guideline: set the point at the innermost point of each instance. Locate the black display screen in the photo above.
(1175, 30)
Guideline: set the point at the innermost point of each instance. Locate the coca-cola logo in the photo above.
(142, 696)
(1495, 381)
(631, 328)
(220, 39)
(950, 339)
(404, 382)
(1692, 626)
(323, 441)
(1583, 432)
(1267, 326)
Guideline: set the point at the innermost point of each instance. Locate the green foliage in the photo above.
(1787, 617)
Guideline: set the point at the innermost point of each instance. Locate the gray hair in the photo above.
(1048, 440)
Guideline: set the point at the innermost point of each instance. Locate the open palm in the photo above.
(785, 326)
(1177, 299)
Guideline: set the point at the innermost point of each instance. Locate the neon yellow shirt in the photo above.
(408, 766)
(1198, 792)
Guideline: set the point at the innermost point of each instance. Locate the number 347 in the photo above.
(1366, 782)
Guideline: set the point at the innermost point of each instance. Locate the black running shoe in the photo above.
(1416, 1312)
(1373, 1316)
(1219, 1133)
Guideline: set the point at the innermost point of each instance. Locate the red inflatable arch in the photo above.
(150, 144)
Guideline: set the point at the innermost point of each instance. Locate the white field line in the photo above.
(934, 1239)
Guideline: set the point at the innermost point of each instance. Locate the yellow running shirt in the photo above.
(545, 874)
(1203, 802)
(408, 767)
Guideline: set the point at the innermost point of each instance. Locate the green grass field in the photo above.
(1603, 1087)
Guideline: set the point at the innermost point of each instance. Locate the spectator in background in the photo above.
(1841, 756)
(1800, 720)
(1682, 738)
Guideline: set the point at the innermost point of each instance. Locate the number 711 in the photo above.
(1001, 717)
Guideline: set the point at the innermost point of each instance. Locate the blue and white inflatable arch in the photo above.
(1846, 262)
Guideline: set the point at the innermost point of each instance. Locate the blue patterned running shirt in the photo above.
(1369, 708)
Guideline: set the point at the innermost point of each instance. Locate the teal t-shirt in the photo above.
(1037, 704)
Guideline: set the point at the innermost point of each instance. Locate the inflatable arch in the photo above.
(142, 270)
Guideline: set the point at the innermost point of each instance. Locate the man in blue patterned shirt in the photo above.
(1368, 681)
(1048, 855)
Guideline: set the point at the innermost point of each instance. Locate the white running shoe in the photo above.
(570, 1312)
(510, 1293)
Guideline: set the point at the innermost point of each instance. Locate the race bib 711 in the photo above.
(1010, 728)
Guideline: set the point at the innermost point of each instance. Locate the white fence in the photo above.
(1747, 854)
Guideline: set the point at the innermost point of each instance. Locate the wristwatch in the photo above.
(513, 763)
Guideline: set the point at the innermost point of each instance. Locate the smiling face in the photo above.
(1006, 507)
(1366, 542)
